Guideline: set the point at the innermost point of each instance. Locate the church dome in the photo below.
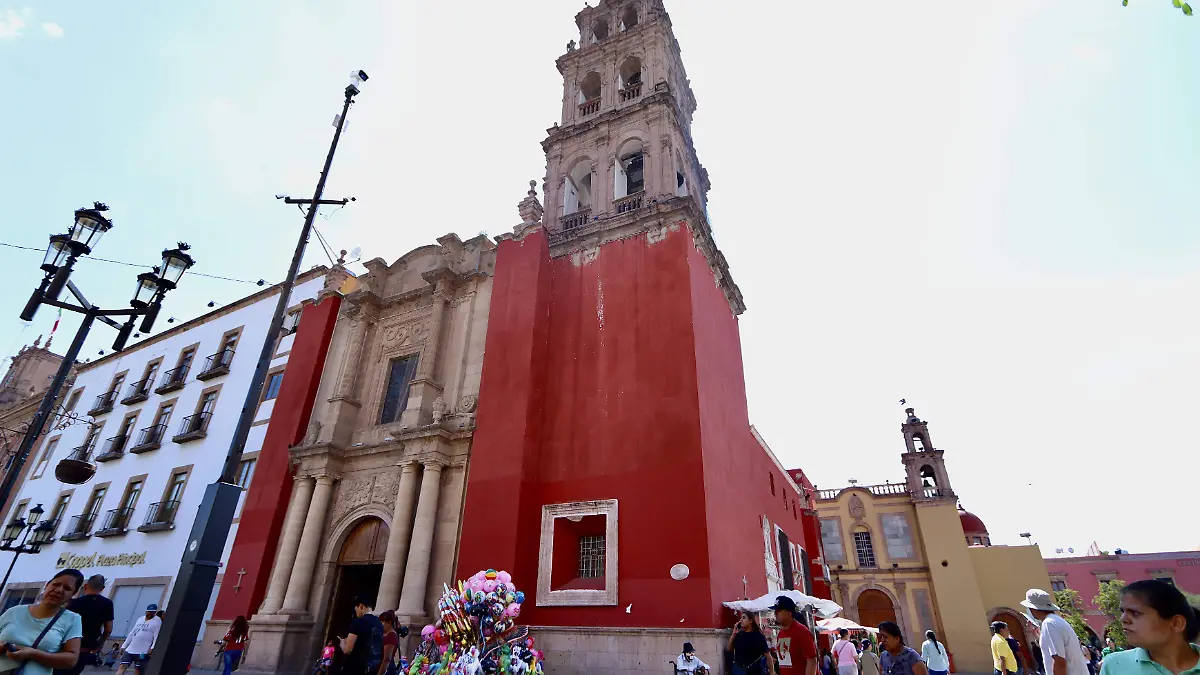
(972, 526)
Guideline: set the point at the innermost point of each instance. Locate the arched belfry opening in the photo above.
(629, 17)
(629, 176)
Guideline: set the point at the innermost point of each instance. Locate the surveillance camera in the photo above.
(362, 75)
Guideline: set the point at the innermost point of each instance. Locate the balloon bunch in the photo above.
(477, 633)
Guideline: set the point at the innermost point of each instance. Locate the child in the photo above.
(111, 656)
(327, 654)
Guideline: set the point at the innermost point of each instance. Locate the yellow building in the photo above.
(906, 552)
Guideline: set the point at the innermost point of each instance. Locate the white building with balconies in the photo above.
(156, 420)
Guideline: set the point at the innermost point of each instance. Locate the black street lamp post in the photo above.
(20, 528)
(61, 254)
(198, 569)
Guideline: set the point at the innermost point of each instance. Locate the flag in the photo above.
(57, 319)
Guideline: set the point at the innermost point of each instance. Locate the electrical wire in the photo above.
(324, 245)
(129, 264)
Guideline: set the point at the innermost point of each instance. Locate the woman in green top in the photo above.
(20, 627)
(1161, 626)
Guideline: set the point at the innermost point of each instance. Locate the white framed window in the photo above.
(897, 535)
(583, 571)
(44, 459)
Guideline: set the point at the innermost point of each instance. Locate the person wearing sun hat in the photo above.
(1060, 647)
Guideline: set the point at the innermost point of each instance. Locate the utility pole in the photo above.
(198, 569)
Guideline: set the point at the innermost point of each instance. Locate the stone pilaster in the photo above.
(427, 385)
(295, 600)
(396, 556)
(416, 572)
(289, 543)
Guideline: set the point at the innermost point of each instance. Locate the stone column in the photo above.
(396, 555)
(416, 572)
(352, 361)
(295, 600)
(289, 543)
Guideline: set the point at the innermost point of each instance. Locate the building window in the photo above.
(132, 492)
(274, 382)
(591, 557)
(864, 549)
(772, 484)
(44, 459)
(245, 473)
(577, 554)
(94, 502)
(1058, 585)
(977, 541)
(74, 400)
(395, 399)
(25, 596)
(897, 536)
(831, 539)
(59, 510)
(175, 488)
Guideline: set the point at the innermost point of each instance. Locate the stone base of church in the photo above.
(280, 644)
(595, 650)
(205, 654)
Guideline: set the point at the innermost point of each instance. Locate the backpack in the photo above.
(375, 651)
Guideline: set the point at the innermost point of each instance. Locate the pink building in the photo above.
(1085, 574)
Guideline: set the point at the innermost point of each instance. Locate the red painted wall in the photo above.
(267, 499)
(1183, 566)
(592, 389)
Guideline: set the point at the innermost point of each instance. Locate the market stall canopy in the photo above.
(826, 608)
(837, 623)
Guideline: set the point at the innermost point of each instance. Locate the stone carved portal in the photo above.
(360, 568)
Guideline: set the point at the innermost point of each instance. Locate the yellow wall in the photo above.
(955, 586)
(1006, 572)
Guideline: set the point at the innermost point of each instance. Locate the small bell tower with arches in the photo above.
(924, 464)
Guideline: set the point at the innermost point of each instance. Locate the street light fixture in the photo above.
(64, 249)
(20, 528)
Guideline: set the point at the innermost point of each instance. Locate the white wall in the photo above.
(206, 456)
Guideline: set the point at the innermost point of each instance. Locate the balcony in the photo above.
(216, 365)
(149, 439)
(589, 107)
(575, 220)
(161, 516)
(631, 203)
(630, 93)
(193, 428)
(173, 380)
(138, 391)
(113, 448)
(116, 522)
(104, 403)
(80, 527)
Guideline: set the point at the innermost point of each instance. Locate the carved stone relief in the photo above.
(356, 492)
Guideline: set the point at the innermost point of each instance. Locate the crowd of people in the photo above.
(66, 630)
(1160, 627)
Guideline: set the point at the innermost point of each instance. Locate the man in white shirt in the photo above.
(687, 662)
(1060, 647)
(140, 641)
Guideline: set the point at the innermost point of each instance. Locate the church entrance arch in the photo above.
(359, 569)
(1016, 628)
(875, 607)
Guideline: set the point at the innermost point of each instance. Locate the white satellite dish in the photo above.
(356, 254)
(680, 572)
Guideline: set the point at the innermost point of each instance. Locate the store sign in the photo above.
(96, 560)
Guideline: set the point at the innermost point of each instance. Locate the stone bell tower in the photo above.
(612, 405)
(621, 161)
(923, 464)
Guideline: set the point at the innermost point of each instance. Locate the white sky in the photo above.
(987, 209)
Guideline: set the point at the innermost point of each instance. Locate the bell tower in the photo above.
(621, 160)
(923, 464)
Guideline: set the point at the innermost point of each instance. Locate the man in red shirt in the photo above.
(796, 651)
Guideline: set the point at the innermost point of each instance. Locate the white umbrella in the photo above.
(826, 608)
(837, 623)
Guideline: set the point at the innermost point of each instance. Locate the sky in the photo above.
(986, 209)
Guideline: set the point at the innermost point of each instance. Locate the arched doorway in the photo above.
(1016, 628)
(360, 567)
(875, 607)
